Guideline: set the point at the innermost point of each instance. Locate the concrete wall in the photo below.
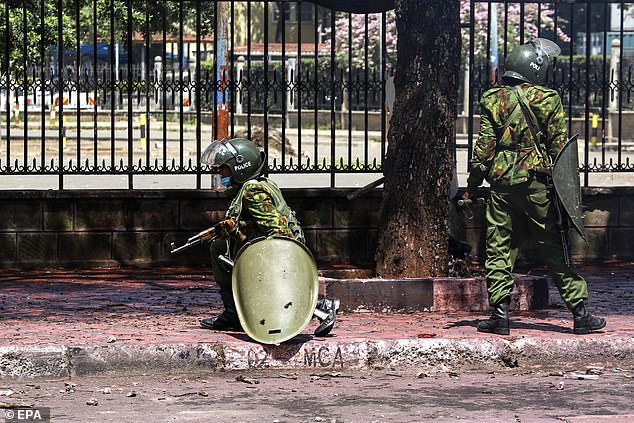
(113, 227)
(608, 219)
(98, 228)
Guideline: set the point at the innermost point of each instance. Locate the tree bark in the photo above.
(418, 168)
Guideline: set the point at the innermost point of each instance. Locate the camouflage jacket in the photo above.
(260, 210)
(508, 158)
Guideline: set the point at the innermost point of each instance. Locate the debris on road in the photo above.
(16, 404)
(580, 376)
(248, 380)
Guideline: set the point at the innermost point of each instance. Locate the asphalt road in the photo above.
(380, 395)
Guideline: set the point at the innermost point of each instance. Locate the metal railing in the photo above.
(593, 74)
(140, 87)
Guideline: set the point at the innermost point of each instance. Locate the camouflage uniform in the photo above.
(260, 211)
(519, 206)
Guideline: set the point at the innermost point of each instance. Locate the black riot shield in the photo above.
(566, 180)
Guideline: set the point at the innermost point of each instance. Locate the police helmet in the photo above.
(241, 156)
(530, 62)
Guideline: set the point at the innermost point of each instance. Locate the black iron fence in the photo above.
(593, 74)
(140, 87)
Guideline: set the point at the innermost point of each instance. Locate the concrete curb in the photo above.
(31, 362)
(328, 354)
(506, 352)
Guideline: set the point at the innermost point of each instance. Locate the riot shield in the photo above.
(275, 287)
(566, 181)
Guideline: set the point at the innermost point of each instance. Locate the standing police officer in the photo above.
(257, 209)
(516, 164)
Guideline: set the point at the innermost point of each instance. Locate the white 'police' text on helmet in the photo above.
(241, 156)
(530, 62)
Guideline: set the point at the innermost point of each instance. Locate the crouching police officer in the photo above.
(257, 210)
(523, 128)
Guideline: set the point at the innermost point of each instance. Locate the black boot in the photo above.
(584, 321)
(327, 314)
(499, 321)
(228, 319)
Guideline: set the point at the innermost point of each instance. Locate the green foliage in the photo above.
(33, 25)
(25, 36)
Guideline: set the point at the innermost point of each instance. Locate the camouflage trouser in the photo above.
(514, 214)
(221, 273)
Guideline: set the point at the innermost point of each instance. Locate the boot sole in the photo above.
(324, 328)
(586, 331)
(496, 331)
(220, 328)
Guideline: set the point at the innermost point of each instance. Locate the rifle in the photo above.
(364, 190)
(468, 203)
(208, 234)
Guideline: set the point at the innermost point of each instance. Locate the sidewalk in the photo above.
(60, 322)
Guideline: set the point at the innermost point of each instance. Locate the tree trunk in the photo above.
(413, 224)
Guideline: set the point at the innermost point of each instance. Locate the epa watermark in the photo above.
(28, 415)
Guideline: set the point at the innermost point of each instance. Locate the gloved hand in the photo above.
(225, 228)
(470, 193)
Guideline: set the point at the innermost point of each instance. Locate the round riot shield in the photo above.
(275, 287)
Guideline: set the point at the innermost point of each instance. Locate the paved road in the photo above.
(524, 395)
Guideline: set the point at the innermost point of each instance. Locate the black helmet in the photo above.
(241, 156)
(530, 62)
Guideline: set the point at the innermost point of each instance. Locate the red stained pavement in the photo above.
(132, 306)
